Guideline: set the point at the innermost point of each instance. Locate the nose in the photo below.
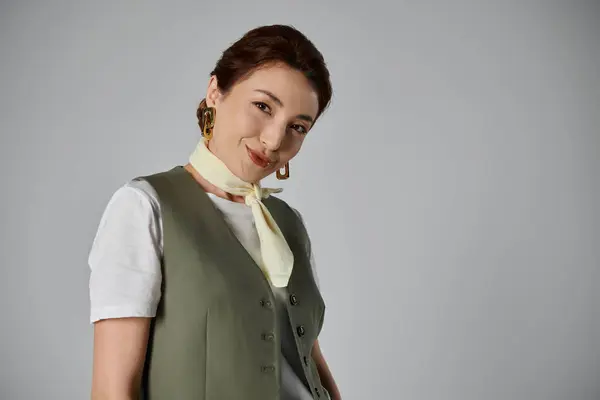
(272, 137)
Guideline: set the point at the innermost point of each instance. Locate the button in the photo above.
(265, 303)
(301, 331)
(269, 337)
(305, 360)
(317, 392)
(293, 299)
(267, 368)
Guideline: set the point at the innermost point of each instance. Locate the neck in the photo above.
(210, 188)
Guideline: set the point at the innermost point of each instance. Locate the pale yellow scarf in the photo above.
(277, 258)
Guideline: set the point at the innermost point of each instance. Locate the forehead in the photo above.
(288, 84)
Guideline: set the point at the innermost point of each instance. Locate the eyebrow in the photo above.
(280, 103)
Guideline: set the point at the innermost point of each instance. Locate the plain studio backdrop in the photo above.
(452, 190)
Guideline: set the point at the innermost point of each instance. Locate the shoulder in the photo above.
(132, 207)
(308, 246)
(298, 215)
(130, 219)
(134, 199)
(144, 191)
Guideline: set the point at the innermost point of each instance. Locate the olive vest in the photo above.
(216, 335)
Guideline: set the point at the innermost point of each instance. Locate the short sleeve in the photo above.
(125, 258)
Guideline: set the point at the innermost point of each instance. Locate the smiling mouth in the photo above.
(259, 159)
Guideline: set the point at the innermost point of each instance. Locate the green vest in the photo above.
(216, 335)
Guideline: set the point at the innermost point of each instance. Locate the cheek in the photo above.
(293, 147)
(249, 123)
(235, 122)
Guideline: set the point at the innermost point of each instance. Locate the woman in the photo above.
(202, 282)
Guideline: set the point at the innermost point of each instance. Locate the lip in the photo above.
(258, 158)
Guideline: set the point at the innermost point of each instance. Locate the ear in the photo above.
(213, 94)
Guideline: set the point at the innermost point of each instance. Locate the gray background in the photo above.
(451, 191)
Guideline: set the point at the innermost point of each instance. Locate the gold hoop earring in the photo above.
(208, 122)
(286, 174)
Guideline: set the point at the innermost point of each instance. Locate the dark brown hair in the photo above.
(272, 44)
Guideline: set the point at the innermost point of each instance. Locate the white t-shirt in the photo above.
(125, 264)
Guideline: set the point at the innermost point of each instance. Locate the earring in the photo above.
(208, 122)
(286, 174)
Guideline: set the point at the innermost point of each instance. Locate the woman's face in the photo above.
(261, 122)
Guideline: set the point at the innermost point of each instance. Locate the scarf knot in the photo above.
(255, 195)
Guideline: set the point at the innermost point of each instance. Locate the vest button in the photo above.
(267, 368)
(317, 392)
(293, 299)
(269, 337)
(265, 303)
(301, 331)
(305, 360)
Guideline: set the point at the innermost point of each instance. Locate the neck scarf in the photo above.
(277, 258)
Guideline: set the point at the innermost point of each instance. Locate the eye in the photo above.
(262, 106)
(300, 129)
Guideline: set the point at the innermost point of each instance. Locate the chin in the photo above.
(251, 176)
(256, 178)
(253, 173)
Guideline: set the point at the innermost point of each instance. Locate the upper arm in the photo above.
(119, 356)
(125, 263)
